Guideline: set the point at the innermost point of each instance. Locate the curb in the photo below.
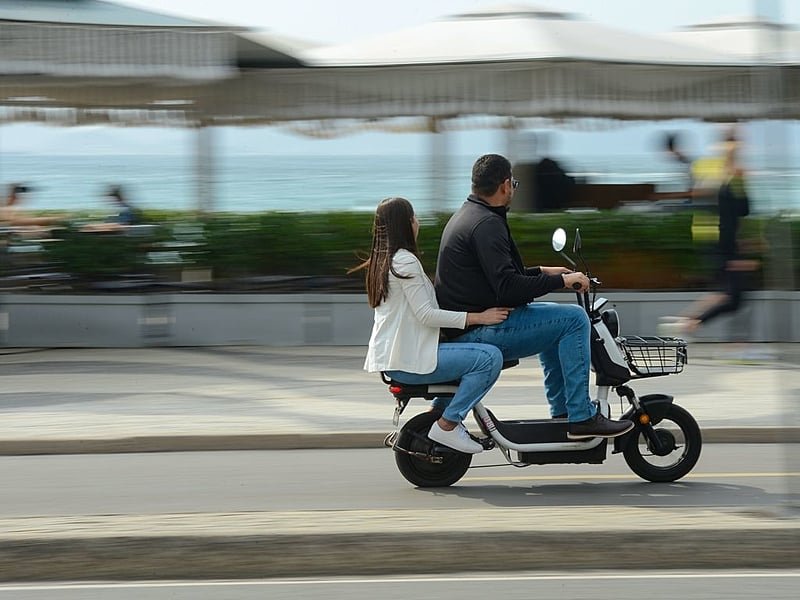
(322, 543)
(313, 441)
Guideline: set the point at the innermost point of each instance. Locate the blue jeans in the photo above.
(476, 365)
(559, 334)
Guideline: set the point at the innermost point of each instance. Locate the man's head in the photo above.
(492, 180)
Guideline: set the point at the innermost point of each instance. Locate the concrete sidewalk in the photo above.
(397, 542)
(159, 399)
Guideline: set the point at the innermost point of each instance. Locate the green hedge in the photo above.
(644, 251)
(626, 251)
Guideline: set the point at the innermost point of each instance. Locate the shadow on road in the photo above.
(635, 494)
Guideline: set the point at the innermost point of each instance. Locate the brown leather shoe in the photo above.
(598, 426)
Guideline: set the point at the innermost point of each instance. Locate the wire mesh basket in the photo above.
(654, 356)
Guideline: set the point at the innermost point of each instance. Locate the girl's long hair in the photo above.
(391, 231)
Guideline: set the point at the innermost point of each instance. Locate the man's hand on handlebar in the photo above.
(490, 316)
(576, 281)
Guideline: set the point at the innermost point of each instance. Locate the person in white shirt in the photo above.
(405, 335)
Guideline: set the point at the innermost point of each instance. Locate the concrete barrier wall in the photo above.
(318, 319)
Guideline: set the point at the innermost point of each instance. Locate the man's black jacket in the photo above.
(479, 265)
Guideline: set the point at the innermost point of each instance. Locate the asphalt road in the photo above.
(727, 475)
(696, 585)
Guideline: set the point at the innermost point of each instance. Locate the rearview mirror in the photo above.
(559, 239)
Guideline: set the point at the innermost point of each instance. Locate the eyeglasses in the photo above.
(514, 183)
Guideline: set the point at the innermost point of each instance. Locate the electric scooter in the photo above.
(663, 446)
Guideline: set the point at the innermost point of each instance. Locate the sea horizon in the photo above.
(252, 182)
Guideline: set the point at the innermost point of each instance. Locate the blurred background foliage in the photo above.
(301, 251)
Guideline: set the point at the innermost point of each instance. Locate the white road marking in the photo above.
(593, 576)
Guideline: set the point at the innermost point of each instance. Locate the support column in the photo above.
(439, 166)
(782, 259)
(514, 151)
(204, 168)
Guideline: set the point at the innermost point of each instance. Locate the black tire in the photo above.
(422, 473)
(678, 428)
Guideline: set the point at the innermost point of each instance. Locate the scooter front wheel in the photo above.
(681, 441)
(423, 462)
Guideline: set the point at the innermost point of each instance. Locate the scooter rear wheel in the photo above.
(680, 434)
(416, 455)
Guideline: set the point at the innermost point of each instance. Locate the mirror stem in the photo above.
(569, 260)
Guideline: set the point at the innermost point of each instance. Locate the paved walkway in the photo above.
(287, 395)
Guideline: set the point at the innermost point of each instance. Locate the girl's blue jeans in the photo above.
(559, 334)
(476, 365)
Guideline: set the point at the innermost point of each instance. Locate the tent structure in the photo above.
(773, 48)
(86, 38)
(534, 63)
(519, 60)
(511, 32)
(748, 38)
(127, 66)
(100, 56)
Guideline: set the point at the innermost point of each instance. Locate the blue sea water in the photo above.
(251, 183)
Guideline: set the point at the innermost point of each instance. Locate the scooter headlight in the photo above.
(611, 319)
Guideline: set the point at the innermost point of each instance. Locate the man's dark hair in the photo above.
(488, 172)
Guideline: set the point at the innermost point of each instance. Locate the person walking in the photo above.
(732, 268)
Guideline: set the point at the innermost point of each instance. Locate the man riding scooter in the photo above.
(479, 266)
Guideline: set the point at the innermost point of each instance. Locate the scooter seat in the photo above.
(430, 390)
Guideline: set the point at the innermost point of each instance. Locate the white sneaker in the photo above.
(457, 439)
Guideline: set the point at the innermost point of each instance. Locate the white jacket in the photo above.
(405, 335)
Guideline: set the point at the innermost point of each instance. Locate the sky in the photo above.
(327, 21)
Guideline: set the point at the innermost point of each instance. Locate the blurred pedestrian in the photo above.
(126, 215)
(12, 213)
(732, 268)
(698, 180)
(404, 343)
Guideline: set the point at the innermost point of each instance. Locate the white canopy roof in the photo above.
(90, 38)
(747, 38)
(512, 61)
(512, 32)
